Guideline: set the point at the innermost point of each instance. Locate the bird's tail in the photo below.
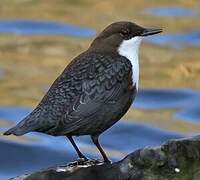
(30, 123)
(17, 131)
(20, 129)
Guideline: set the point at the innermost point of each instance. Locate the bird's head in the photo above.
(121, 36)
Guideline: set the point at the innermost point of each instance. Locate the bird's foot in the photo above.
(85, 162)
(94, 161)
(79, 162)
(107, 161)
(82, 161)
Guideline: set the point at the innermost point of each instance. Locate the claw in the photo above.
(82, 161)
(86, 161)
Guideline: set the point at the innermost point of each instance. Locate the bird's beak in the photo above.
(148, 32)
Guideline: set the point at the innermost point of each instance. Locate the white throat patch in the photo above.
(130, 49)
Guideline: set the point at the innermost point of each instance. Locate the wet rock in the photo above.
(176, 159)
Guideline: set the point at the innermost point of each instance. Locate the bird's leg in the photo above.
(81, 156)
(96, 142)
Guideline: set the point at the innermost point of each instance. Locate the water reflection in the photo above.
(30, 27)
(176, 40)
(2, 74)
(184, 99)
(14, 113)
(33, 27)
(171, 11)
(20, 158)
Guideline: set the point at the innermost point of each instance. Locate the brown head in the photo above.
(112, 36)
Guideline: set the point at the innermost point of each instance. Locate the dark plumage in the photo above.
(93, 92)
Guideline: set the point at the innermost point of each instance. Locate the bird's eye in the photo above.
(124, 33)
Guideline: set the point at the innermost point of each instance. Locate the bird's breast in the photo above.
(130, 50)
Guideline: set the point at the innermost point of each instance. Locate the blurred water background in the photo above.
(39, 38)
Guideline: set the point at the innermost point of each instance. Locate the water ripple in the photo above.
(176, 40)
(171, 11)
(33, 27)
(184, 99)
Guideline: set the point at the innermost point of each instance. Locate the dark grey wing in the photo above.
(87, 83)
(98, 91)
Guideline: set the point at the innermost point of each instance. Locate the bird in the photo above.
(95, 89)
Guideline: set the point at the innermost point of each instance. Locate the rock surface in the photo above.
(174, 160)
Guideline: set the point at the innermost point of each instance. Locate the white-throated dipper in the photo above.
(94, 91)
